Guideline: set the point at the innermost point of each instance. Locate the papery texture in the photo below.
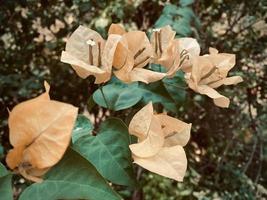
(170, 162)
(89, 54)
(160, 143)
(209, 72)
(133, 53)
(40, 132)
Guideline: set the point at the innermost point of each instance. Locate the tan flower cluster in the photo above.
(126, 54)
(35, 127)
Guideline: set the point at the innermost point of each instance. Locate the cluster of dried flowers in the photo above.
(35, 127)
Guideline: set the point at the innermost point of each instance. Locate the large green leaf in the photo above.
(117, 96)
(73, 177)
(109, 151)
(5, 184)
(82, 127)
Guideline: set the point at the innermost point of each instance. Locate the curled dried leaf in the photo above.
(40, 132)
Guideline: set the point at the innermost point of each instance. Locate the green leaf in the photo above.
(109, 151)
(182, 28)
(72, 178)
(5, 184)
(163, 21)
(156, 92)
(83, 126)
(186, 2)
(117, 96)
(176, 87)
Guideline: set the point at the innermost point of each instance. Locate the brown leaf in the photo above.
(40, 131)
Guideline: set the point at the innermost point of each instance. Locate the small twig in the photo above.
(102, 92)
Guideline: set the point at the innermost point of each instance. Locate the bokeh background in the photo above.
(227, 153)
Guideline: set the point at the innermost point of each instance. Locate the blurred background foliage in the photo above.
(227, 153)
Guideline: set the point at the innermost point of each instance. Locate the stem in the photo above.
(102, 92)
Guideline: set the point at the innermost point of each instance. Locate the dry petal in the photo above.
(140, 123)
(160, 140)
(116, 29)
(152, 143)
(40, 132)
(89, 54)
(176, 132)
(209, 72)
(131, 56)
(170, 162)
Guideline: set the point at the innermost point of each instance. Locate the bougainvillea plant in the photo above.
(58, 149)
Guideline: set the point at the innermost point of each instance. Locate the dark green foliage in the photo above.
(227, 151)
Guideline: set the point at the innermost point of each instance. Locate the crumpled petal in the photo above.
(192, 47)
(130, 58)
(116, 29)
(170, 162)
(152, 143)
(141, 50)
(160, 140)
(218, 99)
(233, 80)
(176, 132)
(140, 123)
(89, 54)
(209, 72)
(35, 129)
(83, 69)
(161, 39)
(145, 75)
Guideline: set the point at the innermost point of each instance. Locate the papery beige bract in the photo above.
(160, 143)
(209, 72)
(40, 131)
(133, 53)
(89, 54)
(170, 52)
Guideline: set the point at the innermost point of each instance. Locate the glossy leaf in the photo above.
(117, 96)
(82, 127)
(72, 178)
(5, 184)
(108, 151)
